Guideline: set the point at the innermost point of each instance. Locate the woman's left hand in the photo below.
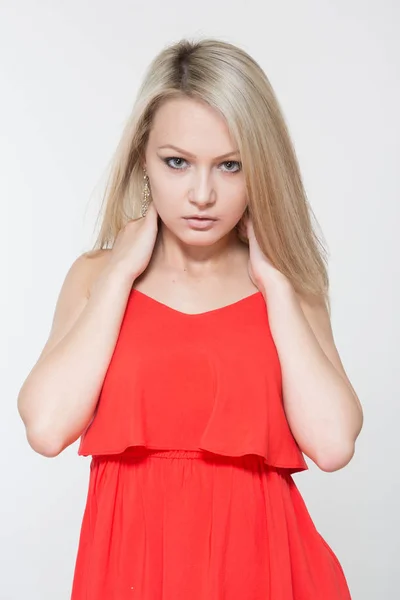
(261, 271)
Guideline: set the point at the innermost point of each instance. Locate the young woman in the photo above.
(192, 352)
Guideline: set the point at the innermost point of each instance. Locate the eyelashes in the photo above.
(178, 168)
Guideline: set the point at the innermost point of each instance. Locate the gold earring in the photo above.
(145, 194)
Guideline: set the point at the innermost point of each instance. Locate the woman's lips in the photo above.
(196, 223)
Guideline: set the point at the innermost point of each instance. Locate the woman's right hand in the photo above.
(134, 244)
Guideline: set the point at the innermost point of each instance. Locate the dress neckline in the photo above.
(235, 304)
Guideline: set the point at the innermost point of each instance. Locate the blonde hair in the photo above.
(229, 80)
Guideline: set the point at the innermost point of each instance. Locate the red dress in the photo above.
(191, 495)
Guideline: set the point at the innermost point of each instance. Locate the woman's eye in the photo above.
(233, 162)
(175, 162)
(176, 158)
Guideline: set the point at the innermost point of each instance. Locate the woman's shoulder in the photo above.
(74, 294)
(96, 257)
(89, 265)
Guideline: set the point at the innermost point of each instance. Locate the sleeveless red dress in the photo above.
(191, 495)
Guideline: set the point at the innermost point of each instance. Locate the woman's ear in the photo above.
(142, 161)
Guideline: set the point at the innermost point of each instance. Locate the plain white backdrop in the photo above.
(69, 73)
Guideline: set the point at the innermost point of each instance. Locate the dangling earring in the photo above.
(145, 194)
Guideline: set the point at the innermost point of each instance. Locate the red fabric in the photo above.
(191, 495)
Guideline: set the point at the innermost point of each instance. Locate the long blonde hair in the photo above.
(229, 80)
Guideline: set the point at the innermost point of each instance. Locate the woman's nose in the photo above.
(203, 192)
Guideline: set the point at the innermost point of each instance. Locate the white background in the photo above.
(69, 72)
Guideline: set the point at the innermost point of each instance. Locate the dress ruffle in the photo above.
(226, 400)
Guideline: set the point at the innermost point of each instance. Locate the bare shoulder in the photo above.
(74, 294)
(82, 272)
(90, 264)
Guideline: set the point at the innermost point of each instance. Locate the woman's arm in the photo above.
(322, 408)
(58, 398)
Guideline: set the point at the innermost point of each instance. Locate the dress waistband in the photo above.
(162, 453)
(144, 451)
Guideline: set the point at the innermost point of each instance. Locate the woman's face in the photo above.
(194, 169)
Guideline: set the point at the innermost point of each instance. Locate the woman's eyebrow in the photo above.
(193, 155)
